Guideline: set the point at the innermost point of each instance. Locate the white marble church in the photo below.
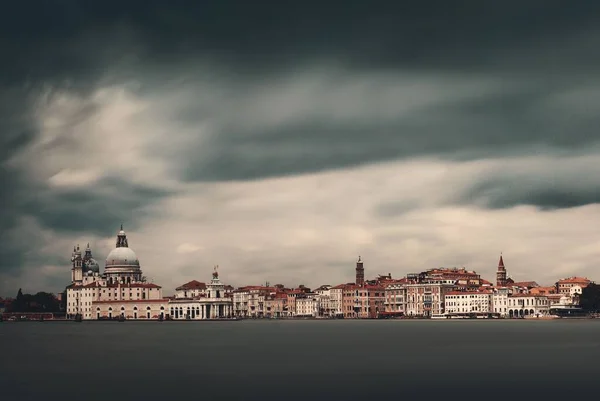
(214, 303)
(123, 292)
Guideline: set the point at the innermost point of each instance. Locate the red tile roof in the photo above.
(191, 285)
(528, 284)
(574, 280)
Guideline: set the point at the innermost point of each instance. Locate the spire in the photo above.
(501, 262)
(121, 226)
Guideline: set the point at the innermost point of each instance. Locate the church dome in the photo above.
(122, 257)
(92, 265)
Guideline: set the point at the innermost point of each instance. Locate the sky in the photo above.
(281, 140)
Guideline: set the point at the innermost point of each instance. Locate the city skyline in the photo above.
(284, 154)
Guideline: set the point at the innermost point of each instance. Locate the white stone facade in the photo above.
(307, 306)
(467, 302)
(522, 305)
(500, 301)
(215, 304)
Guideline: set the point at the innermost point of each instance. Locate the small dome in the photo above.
(92, 265)
(122, 256)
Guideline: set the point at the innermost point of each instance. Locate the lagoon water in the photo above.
(299, 360)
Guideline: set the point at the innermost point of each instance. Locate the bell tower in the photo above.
(77, 270)
(360, 272)
(501, 273)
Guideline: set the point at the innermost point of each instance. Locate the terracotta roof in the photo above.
(339, 286)
(528, 284)
(191, 285)
(374, 287)
(574, 280)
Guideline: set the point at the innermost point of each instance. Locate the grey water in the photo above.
(293, 360)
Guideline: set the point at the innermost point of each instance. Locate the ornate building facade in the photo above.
(121, 291)
(212, 302)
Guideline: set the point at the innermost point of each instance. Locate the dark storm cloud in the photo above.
(68, 39)
(96, 210)
(545, 48)
(508, 122)
(506, 193)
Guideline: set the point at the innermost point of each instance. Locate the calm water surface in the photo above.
(294, 360)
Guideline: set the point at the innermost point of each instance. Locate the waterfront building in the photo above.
(500, 301)
(522, 305)
(564, 286)
(468, 302)
(395, 298)
(324, 298)
(240, 302)
(191, 289)
(214, 303)
(307, 305)
(350, 302)
(276, 305)
(427, 299)
(120, 291)
(335, 300)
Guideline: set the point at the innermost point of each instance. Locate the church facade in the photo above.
(123, 292)
(214, 303)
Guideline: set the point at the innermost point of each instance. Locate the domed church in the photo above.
(121, 291)
(122, 264)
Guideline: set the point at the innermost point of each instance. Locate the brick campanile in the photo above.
(360, 272)
(501, 273)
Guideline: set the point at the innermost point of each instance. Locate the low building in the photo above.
(427, 299)
(307, 305)
(395, 297)
(500, 301)
(523, 305)
(191, 289)
(565, 285)
(335, 300)
(214, 304)
(468, 302)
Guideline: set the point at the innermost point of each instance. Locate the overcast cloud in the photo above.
(281, 141)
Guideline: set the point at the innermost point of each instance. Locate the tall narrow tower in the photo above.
(360, 273)
(77, 270)
(501, 273)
